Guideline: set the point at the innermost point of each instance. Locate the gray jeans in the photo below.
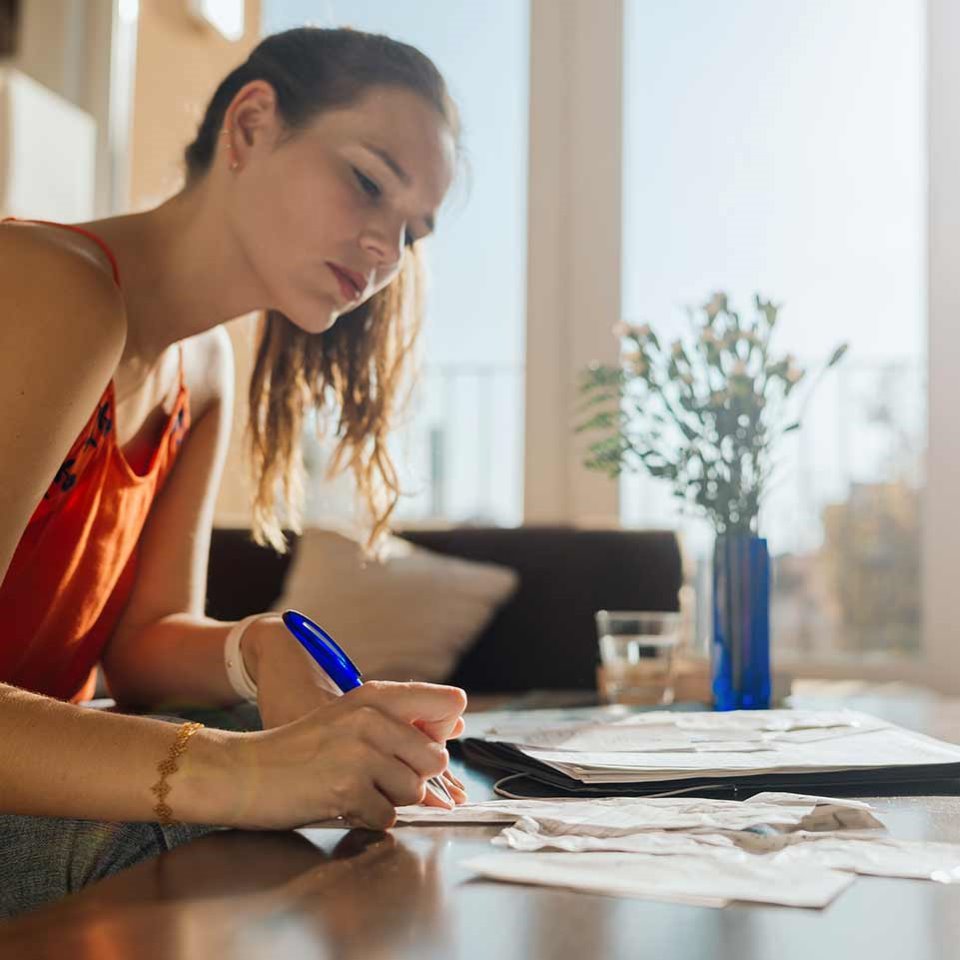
(45, 858)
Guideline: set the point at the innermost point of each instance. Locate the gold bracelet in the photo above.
(161, 788)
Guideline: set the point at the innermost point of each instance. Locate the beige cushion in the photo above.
(409, 617)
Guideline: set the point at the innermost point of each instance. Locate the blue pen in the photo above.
(337, 665)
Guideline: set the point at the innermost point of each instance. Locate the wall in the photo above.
(179, 64)
(66, 46)
(50, 46)
(573, 248)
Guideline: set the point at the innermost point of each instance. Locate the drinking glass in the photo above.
(637, 656)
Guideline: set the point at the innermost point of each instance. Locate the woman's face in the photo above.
(325, 217)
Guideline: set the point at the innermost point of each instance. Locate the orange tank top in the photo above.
(74, 567)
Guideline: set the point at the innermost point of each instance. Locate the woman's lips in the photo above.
(348, 285)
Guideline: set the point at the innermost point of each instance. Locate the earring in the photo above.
(233, 162)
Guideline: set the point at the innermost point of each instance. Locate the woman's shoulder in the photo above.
(59, 274)
(62, 333)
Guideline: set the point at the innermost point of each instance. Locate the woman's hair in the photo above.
(360, 366)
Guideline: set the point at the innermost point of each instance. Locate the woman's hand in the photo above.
(289, 683)
(358, 756)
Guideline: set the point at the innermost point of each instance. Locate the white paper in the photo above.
(784, 848)
(774, 848)
(489, 811)
(864, 852)
(623, 815)
(862, 744)
(777, 812)
(683, 879)
(875, 856)
(600, 745)
(810, 832)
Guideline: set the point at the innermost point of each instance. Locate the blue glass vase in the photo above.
(741, 623)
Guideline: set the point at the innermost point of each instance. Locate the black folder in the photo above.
(525, 777)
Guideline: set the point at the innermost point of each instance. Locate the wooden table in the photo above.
(404, 895)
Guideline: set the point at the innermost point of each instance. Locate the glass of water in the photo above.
(637, 656)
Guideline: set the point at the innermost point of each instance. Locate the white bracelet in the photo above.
(240, 679)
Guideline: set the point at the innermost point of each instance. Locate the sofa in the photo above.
(543, 637)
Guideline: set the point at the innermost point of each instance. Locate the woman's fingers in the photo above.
(434, 708)
(432, 799)
(454, 787)
(448, 775)
(372, 810)
(398, 783)
(391, 737)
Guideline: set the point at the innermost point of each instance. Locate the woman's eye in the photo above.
(367, 185)
(373, 191)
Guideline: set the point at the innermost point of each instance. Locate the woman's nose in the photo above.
(385, 243)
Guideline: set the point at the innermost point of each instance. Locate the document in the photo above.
(613, 816)
(777, 847)
(772, 852)
(782, 848)
(677, 879)
(641, 752)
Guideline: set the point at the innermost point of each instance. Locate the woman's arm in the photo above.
(57, 759)
(358, 757)
(164, 650)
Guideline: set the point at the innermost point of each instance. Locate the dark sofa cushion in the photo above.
(543, 637)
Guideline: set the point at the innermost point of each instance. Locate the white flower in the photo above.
(635, 362)
(717, 303)
(793, 374)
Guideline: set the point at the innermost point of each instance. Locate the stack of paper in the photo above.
(776, 848)
(602, 751)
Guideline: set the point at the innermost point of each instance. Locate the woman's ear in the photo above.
(251, 122)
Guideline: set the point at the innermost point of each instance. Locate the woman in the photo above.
(319, 166)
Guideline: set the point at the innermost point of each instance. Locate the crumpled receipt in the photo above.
(781, 848)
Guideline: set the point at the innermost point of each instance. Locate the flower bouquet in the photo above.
(705, 413)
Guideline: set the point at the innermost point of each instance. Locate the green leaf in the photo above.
(603, 395)
(837, 355)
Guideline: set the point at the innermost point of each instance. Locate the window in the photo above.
(461, 453)
(781, 149)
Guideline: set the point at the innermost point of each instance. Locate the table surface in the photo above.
(405, 895)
